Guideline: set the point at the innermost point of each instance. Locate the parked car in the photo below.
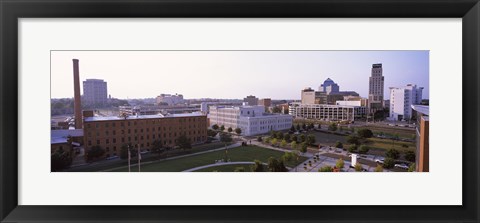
(379, 161)
(401, 166)
(111, 157)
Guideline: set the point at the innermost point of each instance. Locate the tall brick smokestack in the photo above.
(77, 100)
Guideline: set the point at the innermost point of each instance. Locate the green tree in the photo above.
(259, 138)
(230, 129)
(211, 133)
(303, 147)
(358, 167)
(273, 134)
(294, 138)
(332, 127)
(288, 156)
(267, 140)
(293, 144)
(155, 147)
(363, 149)
(183, 142)
(388, 163)
(325, 169)
(273, 141)
(286, 137)
(379, 168)
(292, 128)
(238, 131)
(304, 126)
(302, 138)
(60, 160)
(95, 152)
(353, 140)
(352, 148)
(365, 133)
(225, 138)
(410, 156)
(215, 127)
(311, 126)
(258, 166)
(340, 163)
(283, 143)
(275, 165)
(311, 139)
(279, 135)
(412, 168)
(222, 128)
(338, 144)
(392, 153)
(298, 127)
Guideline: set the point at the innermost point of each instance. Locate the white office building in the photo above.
(402, 99)
(252, 120)
(327, 112)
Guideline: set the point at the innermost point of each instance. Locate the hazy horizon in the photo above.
(235, 74)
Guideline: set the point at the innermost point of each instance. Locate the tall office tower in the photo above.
(375, 92)
(95, 92)
(402, 99)
(308, 96)
(76, 95)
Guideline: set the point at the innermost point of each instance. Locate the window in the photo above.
(98, 141)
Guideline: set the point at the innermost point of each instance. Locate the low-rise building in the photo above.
(110, 133)
(422, 136)
(252, 120)
(169, 99)
(327, 112)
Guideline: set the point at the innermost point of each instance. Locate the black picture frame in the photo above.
(11, 11)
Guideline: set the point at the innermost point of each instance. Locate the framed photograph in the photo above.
(205, 111)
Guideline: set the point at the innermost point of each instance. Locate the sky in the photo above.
(235, 74)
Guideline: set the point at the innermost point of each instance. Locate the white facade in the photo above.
(327, 112)
(170, 99)
(95, 92)
(402, 99)
(349, 103)
(250, 119)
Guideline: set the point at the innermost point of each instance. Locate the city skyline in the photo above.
(235, 74)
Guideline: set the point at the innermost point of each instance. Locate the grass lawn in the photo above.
(100, 166)
(386, 144)
(327, 139)
(226, 168)
(406, 133)
(242, 153)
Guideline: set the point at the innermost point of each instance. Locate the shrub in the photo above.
(379, 168)
(388, 163)
(410, 156)
(326, 169)
(340, 163)
(365, 133)
(332, 127)
(338, 144)
(352, 148)
(364, 149)
(393, 153)
(358, 167)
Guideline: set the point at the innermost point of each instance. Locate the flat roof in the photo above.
(421, 108)
(135, 117)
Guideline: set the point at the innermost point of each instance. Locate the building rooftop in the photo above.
(135, 117)
(60, 136)
(421, 108)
